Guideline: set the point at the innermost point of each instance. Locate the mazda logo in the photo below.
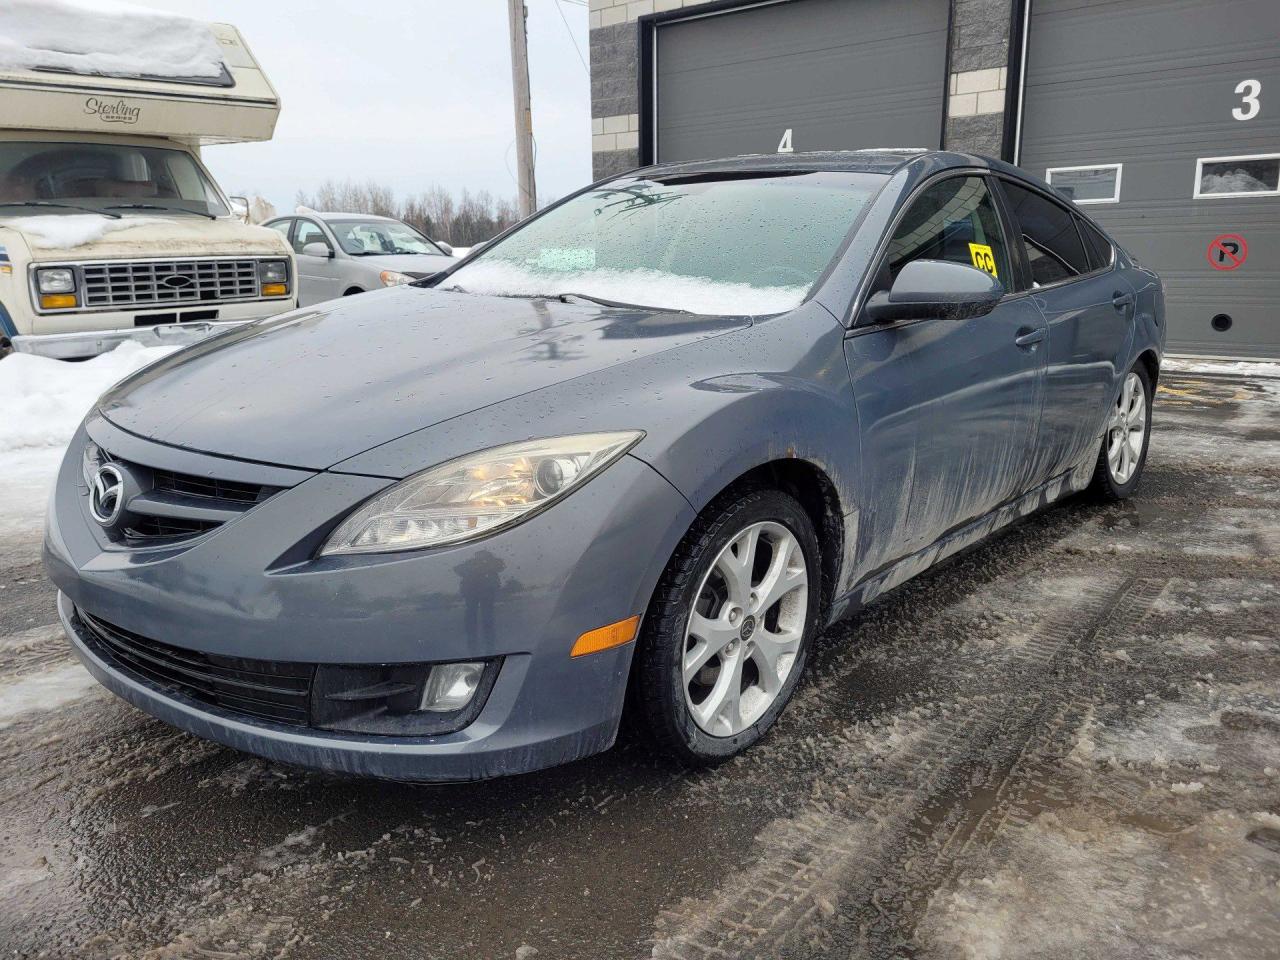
(177, 282)
(106, 496)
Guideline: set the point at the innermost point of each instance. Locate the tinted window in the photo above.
(952, 220)
(1099, 247)
(308, 232)
(1049, 234)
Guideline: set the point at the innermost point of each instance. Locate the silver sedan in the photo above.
(339, 254)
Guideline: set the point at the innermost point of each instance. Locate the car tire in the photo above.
(1123, 453)
(683, 719)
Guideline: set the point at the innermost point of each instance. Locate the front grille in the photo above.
(267, 689)
(194, 486)
(150, 528)
(149, 282)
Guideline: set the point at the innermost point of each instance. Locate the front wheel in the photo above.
(728, 630)
(1128, 433)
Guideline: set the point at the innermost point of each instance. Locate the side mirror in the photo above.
(240, 208)
(317, 249)
(936, 288)
(445, 247)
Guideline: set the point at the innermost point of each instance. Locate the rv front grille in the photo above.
(149, 282)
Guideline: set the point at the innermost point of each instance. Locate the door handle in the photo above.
(1122, 301)
(1029, 338)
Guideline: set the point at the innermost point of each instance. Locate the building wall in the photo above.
(979, 55)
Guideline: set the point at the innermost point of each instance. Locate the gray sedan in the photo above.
(632, 456)
(339, 254)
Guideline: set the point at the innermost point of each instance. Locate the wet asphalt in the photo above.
(1063, 743)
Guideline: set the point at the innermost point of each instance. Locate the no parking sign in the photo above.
(1227, 251)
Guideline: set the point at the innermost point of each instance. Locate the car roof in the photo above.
(882, 160)
(334, 215)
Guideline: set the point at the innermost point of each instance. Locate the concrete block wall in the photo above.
(979, 52)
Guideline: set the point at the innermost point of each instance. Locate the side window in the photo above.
(308, 232)
(1054, 249)
(281, 227)
(956, 220)
(1098, 246)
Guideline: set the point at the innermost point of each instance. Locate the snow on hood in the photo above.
(105, 36)
(74, 230)
(649, 287)
(81, 236)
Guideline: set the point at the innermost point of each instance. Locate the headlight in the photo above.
(476, 494)
(56, 280)
(273, 271)
(393, 278)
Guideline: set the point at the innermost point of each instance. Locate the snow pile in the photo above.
(1245, 368)
(57, 232)
(44, 400)
(648, 287)
(105, 37)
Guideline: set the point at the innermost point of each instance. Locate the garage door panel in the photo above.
(840, 74)
(1150, 84)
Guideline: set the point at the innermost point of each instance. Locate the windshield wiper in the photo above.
(570, 297)
(50, 203)
(158, 206)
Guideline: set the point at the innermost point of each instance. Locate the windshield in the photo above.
(718, 244)
(364, 238)
(110, 177)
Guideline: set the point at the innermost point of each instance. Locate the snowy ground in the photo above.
(1063, 744)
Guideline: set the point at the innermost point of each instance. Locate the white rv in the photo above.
(111, 228)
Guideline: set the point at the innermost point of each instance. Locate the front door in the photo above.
(318, 276)
(947, 409)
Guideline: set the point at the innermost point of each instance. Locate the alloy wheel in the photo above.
(745, 629)
(1126, 430)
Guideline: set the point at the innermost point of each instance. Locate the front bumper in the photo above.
(112, 329)
(523, 595)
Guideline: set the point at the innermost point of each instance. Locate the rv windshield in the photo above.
(110, 177)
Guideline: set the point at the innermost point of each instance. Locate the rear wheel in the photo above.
(1124, 444)
(728, 630)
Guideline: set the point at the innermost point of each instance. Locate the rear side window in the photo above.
(1098, 246)
(956, 220)
(1054, 249)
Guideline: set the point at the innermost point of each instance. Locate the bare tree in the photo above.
(463, 221)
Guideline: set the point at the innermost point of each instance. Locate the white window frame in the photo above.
(1201, 161)
(1117, 167)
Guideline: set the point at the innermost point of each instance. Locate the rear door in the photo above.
(948, 409)
(1089, 309)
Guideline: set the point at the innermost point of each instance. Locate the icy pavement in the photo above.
(1063, 744)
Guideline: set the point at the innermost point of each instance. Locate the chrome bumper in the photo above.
(90, 343)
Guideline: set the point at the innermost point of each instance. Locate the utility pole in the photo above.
(524, 112)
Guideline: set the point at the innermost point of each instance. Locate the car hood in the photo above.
(134, 237)
(420, 263)
(314, 387)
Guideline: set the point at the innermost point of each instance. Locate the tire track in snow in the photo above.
(851, 871)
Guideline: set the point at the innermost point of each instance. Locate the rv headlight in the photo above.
(56, 280)
(393, 278)
(476, 494)
(273, 271)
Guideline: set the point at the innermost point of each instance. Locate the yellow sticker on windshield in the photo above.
(983, 258)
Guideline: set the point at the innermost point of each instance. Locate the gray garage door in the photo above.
(1170, 112)
(812, 74)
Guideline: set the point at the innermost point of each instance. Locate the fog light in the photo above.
(274, 289)
(450, 686)
(57, 301)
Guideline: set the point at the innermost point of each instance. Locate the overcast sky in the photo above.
(407, 92)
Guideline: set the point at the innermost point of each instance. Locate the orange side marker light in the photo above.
(603, 638)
